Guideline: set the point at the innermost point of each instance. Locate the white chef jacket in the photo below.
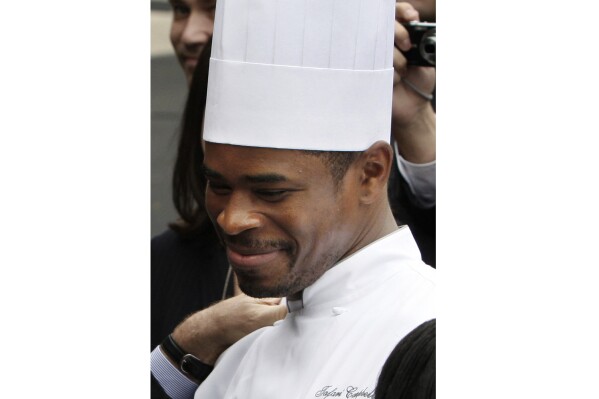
(338, 339)
(421, 181)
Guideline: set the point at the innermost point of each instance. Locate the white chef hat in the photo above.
(301, 74)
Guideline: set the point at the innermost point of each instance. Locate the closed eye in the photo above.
(272, 195)
(219, 189)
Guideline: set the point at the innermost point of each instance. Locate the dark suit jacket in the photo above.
(422, 222)
(188, 274)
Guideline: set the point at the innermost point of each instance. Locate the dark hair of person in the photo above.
(338, 162)
(188, 182)
(188, 189)
(409, 372)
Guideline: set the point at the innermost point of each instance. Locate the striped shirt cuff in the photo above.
(421, 178)
(175, 384)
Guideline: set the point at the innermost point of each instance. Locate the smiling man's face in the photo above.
(282, 217)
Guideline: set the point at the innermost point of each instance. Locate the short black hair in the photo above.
(338, 162)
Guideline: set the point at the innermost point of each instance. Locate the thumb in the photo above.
(269, 301)
(275, 313)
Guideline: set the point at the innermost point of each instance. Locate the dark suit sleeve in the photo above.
(422, 222)
(187, 275)
(157, 392)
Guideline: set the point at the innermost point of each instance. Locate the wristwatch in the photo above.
(188, 364)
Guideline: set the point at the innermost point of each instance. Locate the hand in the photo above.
(413, 119)
(208, 333)
(406, 102)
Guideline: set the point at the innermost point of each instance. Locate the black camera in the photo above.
(423, 36)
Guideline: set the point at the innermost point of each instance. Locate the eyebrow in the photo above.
(260, 178)
(209, 173)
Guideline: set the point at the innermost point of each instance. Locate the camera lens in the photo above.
(428, 47)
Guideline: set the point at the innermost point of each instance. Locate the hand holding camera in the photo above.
(413, 120)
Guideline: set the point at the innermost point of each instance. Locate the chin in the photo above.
(257, 289)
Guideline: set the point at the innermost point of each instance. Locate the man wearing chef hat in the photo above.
(297, 158)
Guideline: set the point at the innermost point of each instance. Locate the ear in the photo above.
(375, 164)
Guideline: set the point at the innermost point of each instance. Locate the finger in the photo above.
(269, 301)
(276, 313)
(269, 315)
(402, 37)
(405, 12)
(400, 64)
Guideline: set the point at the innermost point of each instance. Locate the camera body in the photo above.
(423, 36)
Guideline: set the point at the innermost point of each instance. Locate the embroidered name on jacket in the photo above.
(329, 391)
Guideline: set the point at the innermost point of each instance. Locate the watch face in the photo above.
(187, 364)
(184, 363)
(193, 367)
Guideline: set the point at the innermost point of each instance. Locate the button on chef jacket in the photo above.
(333, 342)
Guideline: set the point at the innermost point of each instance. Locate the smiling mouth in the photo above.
(252, 256)
(248, 259)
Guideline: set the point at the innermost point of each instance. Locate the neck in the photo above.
(388, 223)
(380, 225)
(376, 225)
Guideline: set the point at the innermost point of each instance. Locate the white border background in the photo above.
(75, 214)
(516, 189)
(517, 214)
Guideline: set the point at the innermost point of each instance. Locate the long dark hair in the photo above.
(188, 183)
(409, 372)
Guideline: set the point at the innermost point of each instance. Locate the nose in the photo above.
(238, 216)
(198, 29)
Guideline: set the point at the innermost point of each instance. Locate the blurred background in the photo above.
(168, 94)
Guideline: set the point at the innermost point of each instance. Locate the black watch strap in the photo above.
(188, 364)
